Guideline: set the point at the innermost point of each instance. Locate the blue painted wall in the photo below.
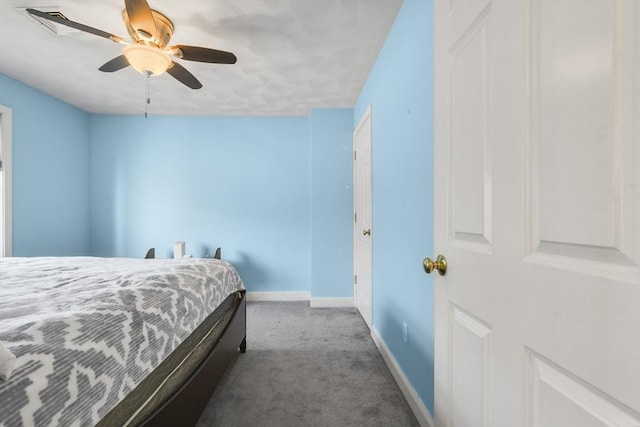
(117, 185)
(400, 90)
(241, 183)
(330, 134)
(50, 172)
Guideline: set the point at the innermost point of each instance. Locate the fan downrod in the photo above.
(164, 30)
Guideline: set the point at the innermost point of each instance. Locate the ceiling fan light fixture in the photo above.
(147, 60)
(150, 53)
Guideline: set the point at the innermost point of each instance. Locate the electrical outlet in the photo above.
(405, 332)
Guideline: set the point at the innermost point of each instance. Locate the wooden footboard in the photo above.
(186, 406)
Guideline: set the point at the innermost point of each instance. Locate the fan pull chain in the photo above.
(147, 99)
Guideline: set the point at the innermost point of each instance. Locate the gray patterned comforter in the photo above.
(85, 331)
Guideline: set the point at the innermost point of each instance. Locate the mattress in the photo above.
(86, 331)
(157, 388)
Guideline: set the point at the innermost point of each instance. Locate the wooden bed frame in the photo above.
(185, 407)
(151, 253)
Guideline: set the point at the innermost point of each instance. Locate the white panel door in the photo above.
(537, 210)
(362, 217)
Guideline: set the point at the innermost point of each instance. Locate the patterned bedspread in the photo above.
(85, 331)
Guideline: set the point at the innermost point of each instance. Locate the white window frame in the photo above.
(6, 205)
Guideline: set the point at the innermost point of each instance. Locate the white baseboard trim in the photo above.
(419, 410)
(323, 302)
(278, 296)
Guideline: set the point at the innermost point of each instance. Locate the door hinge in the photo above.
(355, 217)
(354, 155)
(355, 279)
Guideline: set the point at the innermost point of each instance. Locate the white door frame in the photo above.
(6, 119)
(362, 255)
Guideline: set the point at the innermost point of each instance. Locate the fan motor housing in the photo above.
(164, 30)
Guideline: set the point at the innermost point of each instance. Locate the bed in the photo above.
(115, 341)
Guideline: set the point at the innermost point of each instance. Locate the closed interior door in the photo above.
(537, 159)
(362, 233)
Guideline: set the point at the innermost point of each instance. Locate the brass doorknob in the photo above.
(439, 264)
(366, 232)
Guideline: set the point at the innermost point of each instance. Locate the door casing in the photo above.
(362, 197)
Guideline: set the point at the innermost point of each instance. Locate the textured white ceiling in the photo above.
(292, 54)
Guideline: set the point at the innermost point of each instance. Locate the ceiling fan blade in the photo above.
(141, 18)
(183, 76)
(117, 63)
(203, 54)
(63, 21)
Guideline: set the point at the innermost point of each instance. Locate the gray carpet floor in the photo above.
(307, 367)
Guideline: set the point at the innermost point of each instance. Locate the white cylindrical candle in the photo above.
(178, 250)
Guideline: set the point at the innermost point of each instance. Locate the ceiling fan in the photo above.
(150, 53)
